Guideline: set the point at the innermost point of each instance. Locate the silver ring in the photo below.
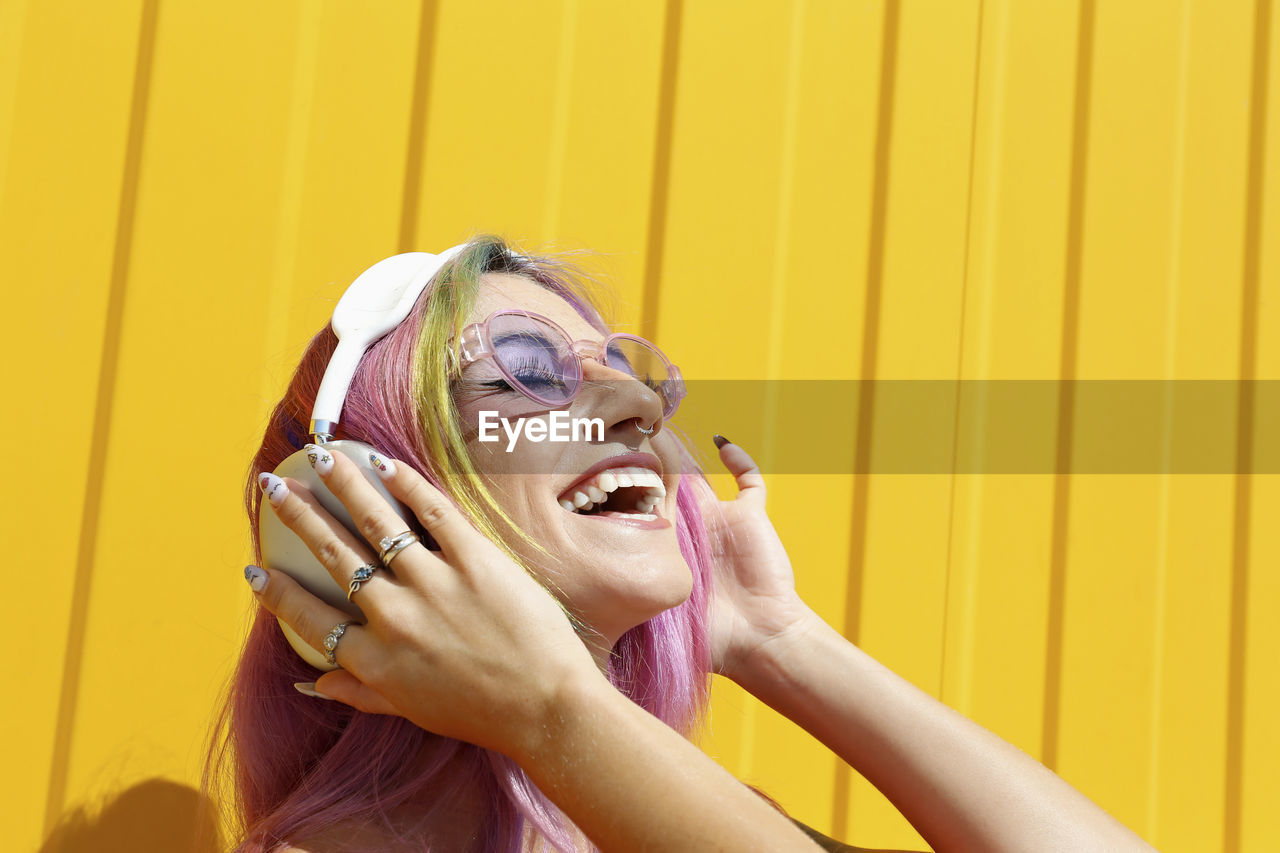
(392, 545)
(644, 431)
(362, 574)
(331, 642)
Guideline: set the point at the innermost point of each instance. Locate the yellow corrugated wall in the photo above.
(900, 189)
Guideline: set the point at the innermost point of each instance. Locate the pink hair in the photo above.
(301, 764)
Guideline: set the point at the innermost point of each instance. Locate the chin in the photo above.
(637, 597)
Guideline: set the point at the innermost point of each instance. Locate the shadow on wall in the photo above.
(156, 815)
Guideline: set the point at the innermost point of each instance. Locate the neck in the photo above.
(601, 649)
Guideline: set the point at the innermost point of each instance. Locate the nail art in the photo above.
(385, 467)
(256, 577)
(320, 459)
(275, 489)
(720, 440)
(308, 688)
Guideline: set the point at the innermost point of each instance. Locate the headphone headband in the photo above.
(375, 303)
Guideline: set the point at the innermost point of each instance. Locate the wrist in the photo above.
(772, 660)
(559, 714)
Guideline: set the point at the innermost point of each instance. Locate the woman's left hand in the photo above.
(755, 597)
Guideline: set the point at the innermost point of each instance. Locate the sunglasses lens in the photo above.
(643, 361)
(535, 357)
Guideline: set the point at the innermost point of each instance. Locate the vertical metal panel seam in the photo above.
(89, 521)
(1233, 793)
(786, 194)
(867, 370)
(412, 199)
(782, 234)
(1066, 391)
(1160, 593)
(659, 188)
(553, 193)
(955, 421)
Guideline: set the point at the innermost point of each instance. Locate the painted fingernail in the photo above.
(320, 459)
(274, 488)
(720, 440)
(308, 688)
(256, 577)
(385, 467)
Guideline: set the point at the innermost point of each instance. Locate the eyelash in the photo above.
(534, 367)
(502, 384)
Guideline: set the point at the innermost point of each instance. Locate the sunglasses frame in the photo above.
(474, 343)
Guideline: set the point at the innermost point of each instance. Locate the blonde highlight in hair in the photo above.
(449, 302)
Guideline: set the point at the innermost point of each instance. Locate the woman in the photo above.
(532, 682)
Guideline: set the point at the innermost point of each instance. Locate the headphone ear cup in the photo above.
(283, 551)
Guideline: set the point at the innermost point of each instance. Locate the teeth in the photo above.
(645, 477)
(594, 492)
(598, 488)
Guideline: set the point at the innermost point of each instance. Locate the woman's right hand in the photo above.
(463, 642)
(466, 644)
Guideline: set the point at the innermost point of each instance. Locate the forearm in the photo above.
(960, 786)
(631, 783)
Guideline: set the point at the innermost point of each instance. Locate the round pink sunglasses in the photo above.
(539, 359)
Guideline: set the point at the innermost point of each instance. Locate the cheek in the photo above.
(524, 499)
(656, 573)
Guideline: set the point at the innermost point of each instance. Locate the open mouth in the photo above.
(617, 492)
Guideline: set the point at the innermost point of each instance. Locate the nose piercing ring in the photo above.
(644, 431)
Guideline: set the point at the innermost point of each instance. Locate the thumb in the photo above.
(342, 686)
